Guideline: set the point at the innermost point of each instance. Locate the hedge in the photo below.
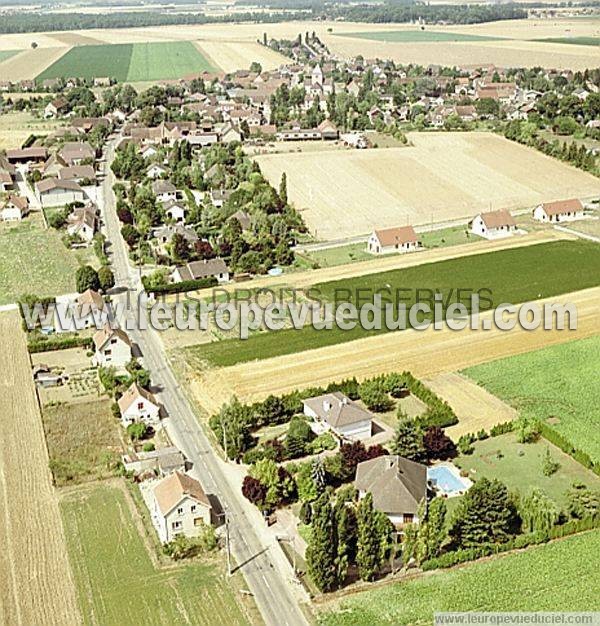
(58, 343)
(183, 286)
(439, 413)
(554, 437)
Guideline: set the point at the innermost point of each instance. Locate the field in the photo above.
(83, 441)
(6, 54)
(36, 584)
(576, 41)
(465, 173)
(418, 36)
(28, 64)
(519, 466)
(544, 578)
(118, 582)
(544, 270)
(130, 62)
(559, 382)
(16, 127)
(235, 55)
(34, 260)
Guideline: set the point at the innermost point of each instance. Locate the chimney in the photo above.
(344, 400)
(326, 405)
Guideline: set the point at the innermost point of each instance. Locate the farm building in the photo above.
(196, 270)
(337, 413)
(179, 507)
(138, 405)
(397, 485)
(15, 209)
(493, 224)
(561, 211)
(164, 461)
(389, 240)
(27, 155)
(52, 192)
(112, 347)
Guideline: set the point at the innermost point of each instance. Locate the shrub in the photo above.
(149, 447)
(86, 278)
(374, 395)
(549, 465)
(58, 343)
(137, 431)
(298, 436)
(183, 286)
(325, 441)
(438, 445)
(465, 444)
(106, 278)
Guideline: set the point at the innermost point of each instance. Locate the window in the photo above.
(176, 525)
(408, 518)
(193, 508)
(180, 511)
(140, 406)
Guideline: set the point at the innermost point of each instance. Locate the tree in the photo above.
(137, 431)
(254, 491)
(583, 502)
(256, 67)
(374, 395)
(431, 529)
(538, 512)
(438, 445)
(106, 278)
(408, 441)
(321, 552)
(305, 485)
(549, 465)
(298, 437)
(368, 549)
(283, 188)
(486, 514)
(86, 278)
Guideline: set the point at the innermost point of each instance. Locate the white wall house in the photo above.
(175, 210)
(196, 270)
(179, 507)
(138, 405)
(15, 209)
(52, 192)
(493, 225)
(88, 311)
(393, 240)
(155, 171)
(112, 348)
(561, 211)
(337, 413)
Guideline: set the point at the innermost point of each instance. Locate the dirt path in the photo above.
(475, 407)
(36, 583)
(425, 353)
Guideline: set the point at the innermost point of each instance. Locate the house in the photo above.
(179, 506)
(175, 210)
(165, 234)
(6, 180)
(155, 170)
(164, 190)
(493, 224)
(337, 413)
(164, 461)
(397, 485)
(81, 174)
(55, 108)
(90, 309)
(82, 223)
(219, 196)
(112, 347)
(148, 152)
(27, 155)
(15, 209)
(388, 240)
(197, 270)
(52, 192)
(355, 140)
(243, 218)
(561, 211)
(138, 405)
(75, 152)
(228, 134)
(328, 130)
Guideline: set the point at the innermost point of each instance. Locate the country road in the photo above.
(267, 573)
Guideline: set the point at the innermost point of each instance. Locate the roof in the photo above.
(27, 153)
(163, 186)
(90, 299)
(172, 229)
(398, 485)
(77, 171)
(49, 184)
(393, 236)
(132, 394)
(76, 149)
(202, 269)
(562, 206)
(106, 333)
(174, 488)
(337, 409)
(20, 202)
(496, 219)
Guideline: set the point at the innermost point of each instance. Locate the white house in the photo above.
(15, 209)
(52, 192)
(389, 240)
(175, 210)
(493, 225)
(138, 405)
(82, 222)
(179, 507)
(88, 311)
(337, 413)
(397, 485)
(148, 151)
(155, 170)
(561, 211)
(196, 270)
(164, 190)
(112, 348)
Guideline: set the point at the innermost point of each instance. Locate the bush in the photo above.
(106, 278)
(137, 431)
(58, 343)
(325, 441)
(501, 429)
(298, 437)
(465, 444)
(373, 393)
(149, 447)
(183, 547)
(86, 278)
(183, 286)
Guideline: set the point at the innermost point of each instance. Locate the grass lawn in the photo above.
(83, 441)
(35, 260)
(418, 36)
(453, 236)
(523, 473)
(340, 255)
(131, 62)
(528, 273)
(117, 582)
(544, 578)
(577, 41)
(559, 382)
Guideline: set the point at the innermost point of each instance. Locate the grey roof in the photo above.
(202, 269)
(49, 184)
(397, 484)
(163, 186)
(337, 409)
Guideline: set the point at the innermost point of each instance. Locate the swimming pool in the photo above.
(447, 481)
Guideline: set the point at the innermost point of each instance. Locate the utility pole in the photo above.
(227, 544)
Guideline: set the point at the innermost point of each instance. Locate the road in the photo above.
(267, 573)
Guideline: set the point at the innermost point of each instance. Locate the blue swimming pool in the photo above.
(446, 480)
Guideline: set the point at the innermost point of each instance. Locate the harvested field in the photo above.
(36, 583)
(235, 55)
(75, 39)
(16, 127)
(30, 63)
(475, 407)
(425, 353)
(6, 54)
(417, 36)
(445, 176)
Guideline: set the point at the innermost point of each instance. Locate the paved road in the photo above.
(266, 571)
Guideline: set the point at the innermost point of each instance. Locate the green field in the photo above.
(559, 382)
(576, 41)
(417, 36)
(130, 62)
(516, 275)
(34, 260)
(544, 578)
(6, 54)
(519, 466)
(118, 584)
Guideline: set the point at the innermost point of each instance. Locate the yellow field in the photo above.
(235, 55)
(16, 127)
(36, 583)
(28, 64)
(425, 353)
(445, 176)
